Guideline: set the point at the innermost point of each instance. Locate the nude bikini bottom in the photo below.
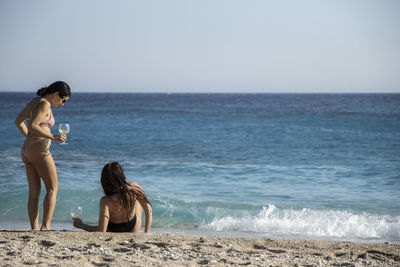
(35, 148)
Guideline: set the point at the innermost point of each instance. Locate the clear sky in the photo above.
(201, 46)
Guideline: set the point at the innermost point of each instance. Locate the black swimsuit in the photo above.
(122, 227)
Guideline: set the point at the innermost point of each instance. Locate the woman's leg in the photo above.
(34, 183)
(47, 171)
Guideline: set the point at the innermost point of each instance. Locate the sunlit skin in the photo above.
(111, 209)
(40, 167)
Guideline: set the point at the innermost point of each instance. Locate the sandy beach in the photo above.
(73, 248)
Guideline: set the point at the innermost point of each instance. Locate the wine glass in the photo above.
(63, 128)
(76, 212)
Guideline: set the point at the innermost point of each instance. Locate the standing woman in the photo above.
(35, 152)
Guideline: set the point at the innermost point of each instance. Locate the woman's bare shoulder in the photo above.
(34, 101)
(133, 184)
(43, 104)
(106, 199)
(39, 105)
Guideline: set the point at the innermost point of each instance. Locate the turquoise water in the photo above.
(302, 165)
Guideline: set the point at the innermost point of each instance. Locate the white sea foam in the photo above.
(344, 225)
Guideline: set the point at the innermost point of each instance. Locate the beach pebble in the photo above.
(203, 261)
(278, 251)
(12, 253)
(25, 237)
(108, 259)
(328, 258)
(347, 264)
(256, 246)
(93, 244)
(217, 245)
(47, 243)
(341, 254)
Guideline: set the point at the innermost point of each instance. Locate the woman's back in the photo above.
(118, 213)
(124, 219)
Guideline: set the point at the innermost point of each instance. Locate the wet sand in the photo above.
(73, 248)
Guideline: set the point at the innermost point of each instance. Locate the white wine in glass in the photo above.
(63, 128)
(76, 212)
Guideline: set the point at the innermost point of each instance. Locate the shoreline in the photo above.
(23, 225)
(63, 226)
(63, 248)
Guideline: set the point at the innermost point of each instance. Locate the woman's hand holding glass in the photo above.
(59, 138)
(64, 129)
(76, 212)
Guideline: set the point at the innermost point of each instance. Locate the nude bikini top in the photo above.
(50, 123)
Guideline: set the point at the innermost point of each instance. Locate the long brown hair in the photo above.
(113, 181)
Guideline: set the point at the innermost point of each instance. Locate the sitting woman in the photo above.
(122, 206)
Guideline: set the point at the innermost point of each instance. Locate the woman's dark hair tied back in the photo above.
(61, 87)
(42, 91)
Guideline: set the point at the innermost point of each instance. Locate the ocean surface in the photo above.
(313, 166)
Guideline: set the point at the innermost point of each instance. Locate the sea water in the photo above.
(315, 166)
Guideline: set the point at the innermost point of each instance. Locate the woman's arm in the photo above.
(104, 217)
(148, 213)
(20, 122)
(146, 207)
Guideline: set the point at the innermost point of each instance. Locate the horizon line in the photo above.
(183, 92)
